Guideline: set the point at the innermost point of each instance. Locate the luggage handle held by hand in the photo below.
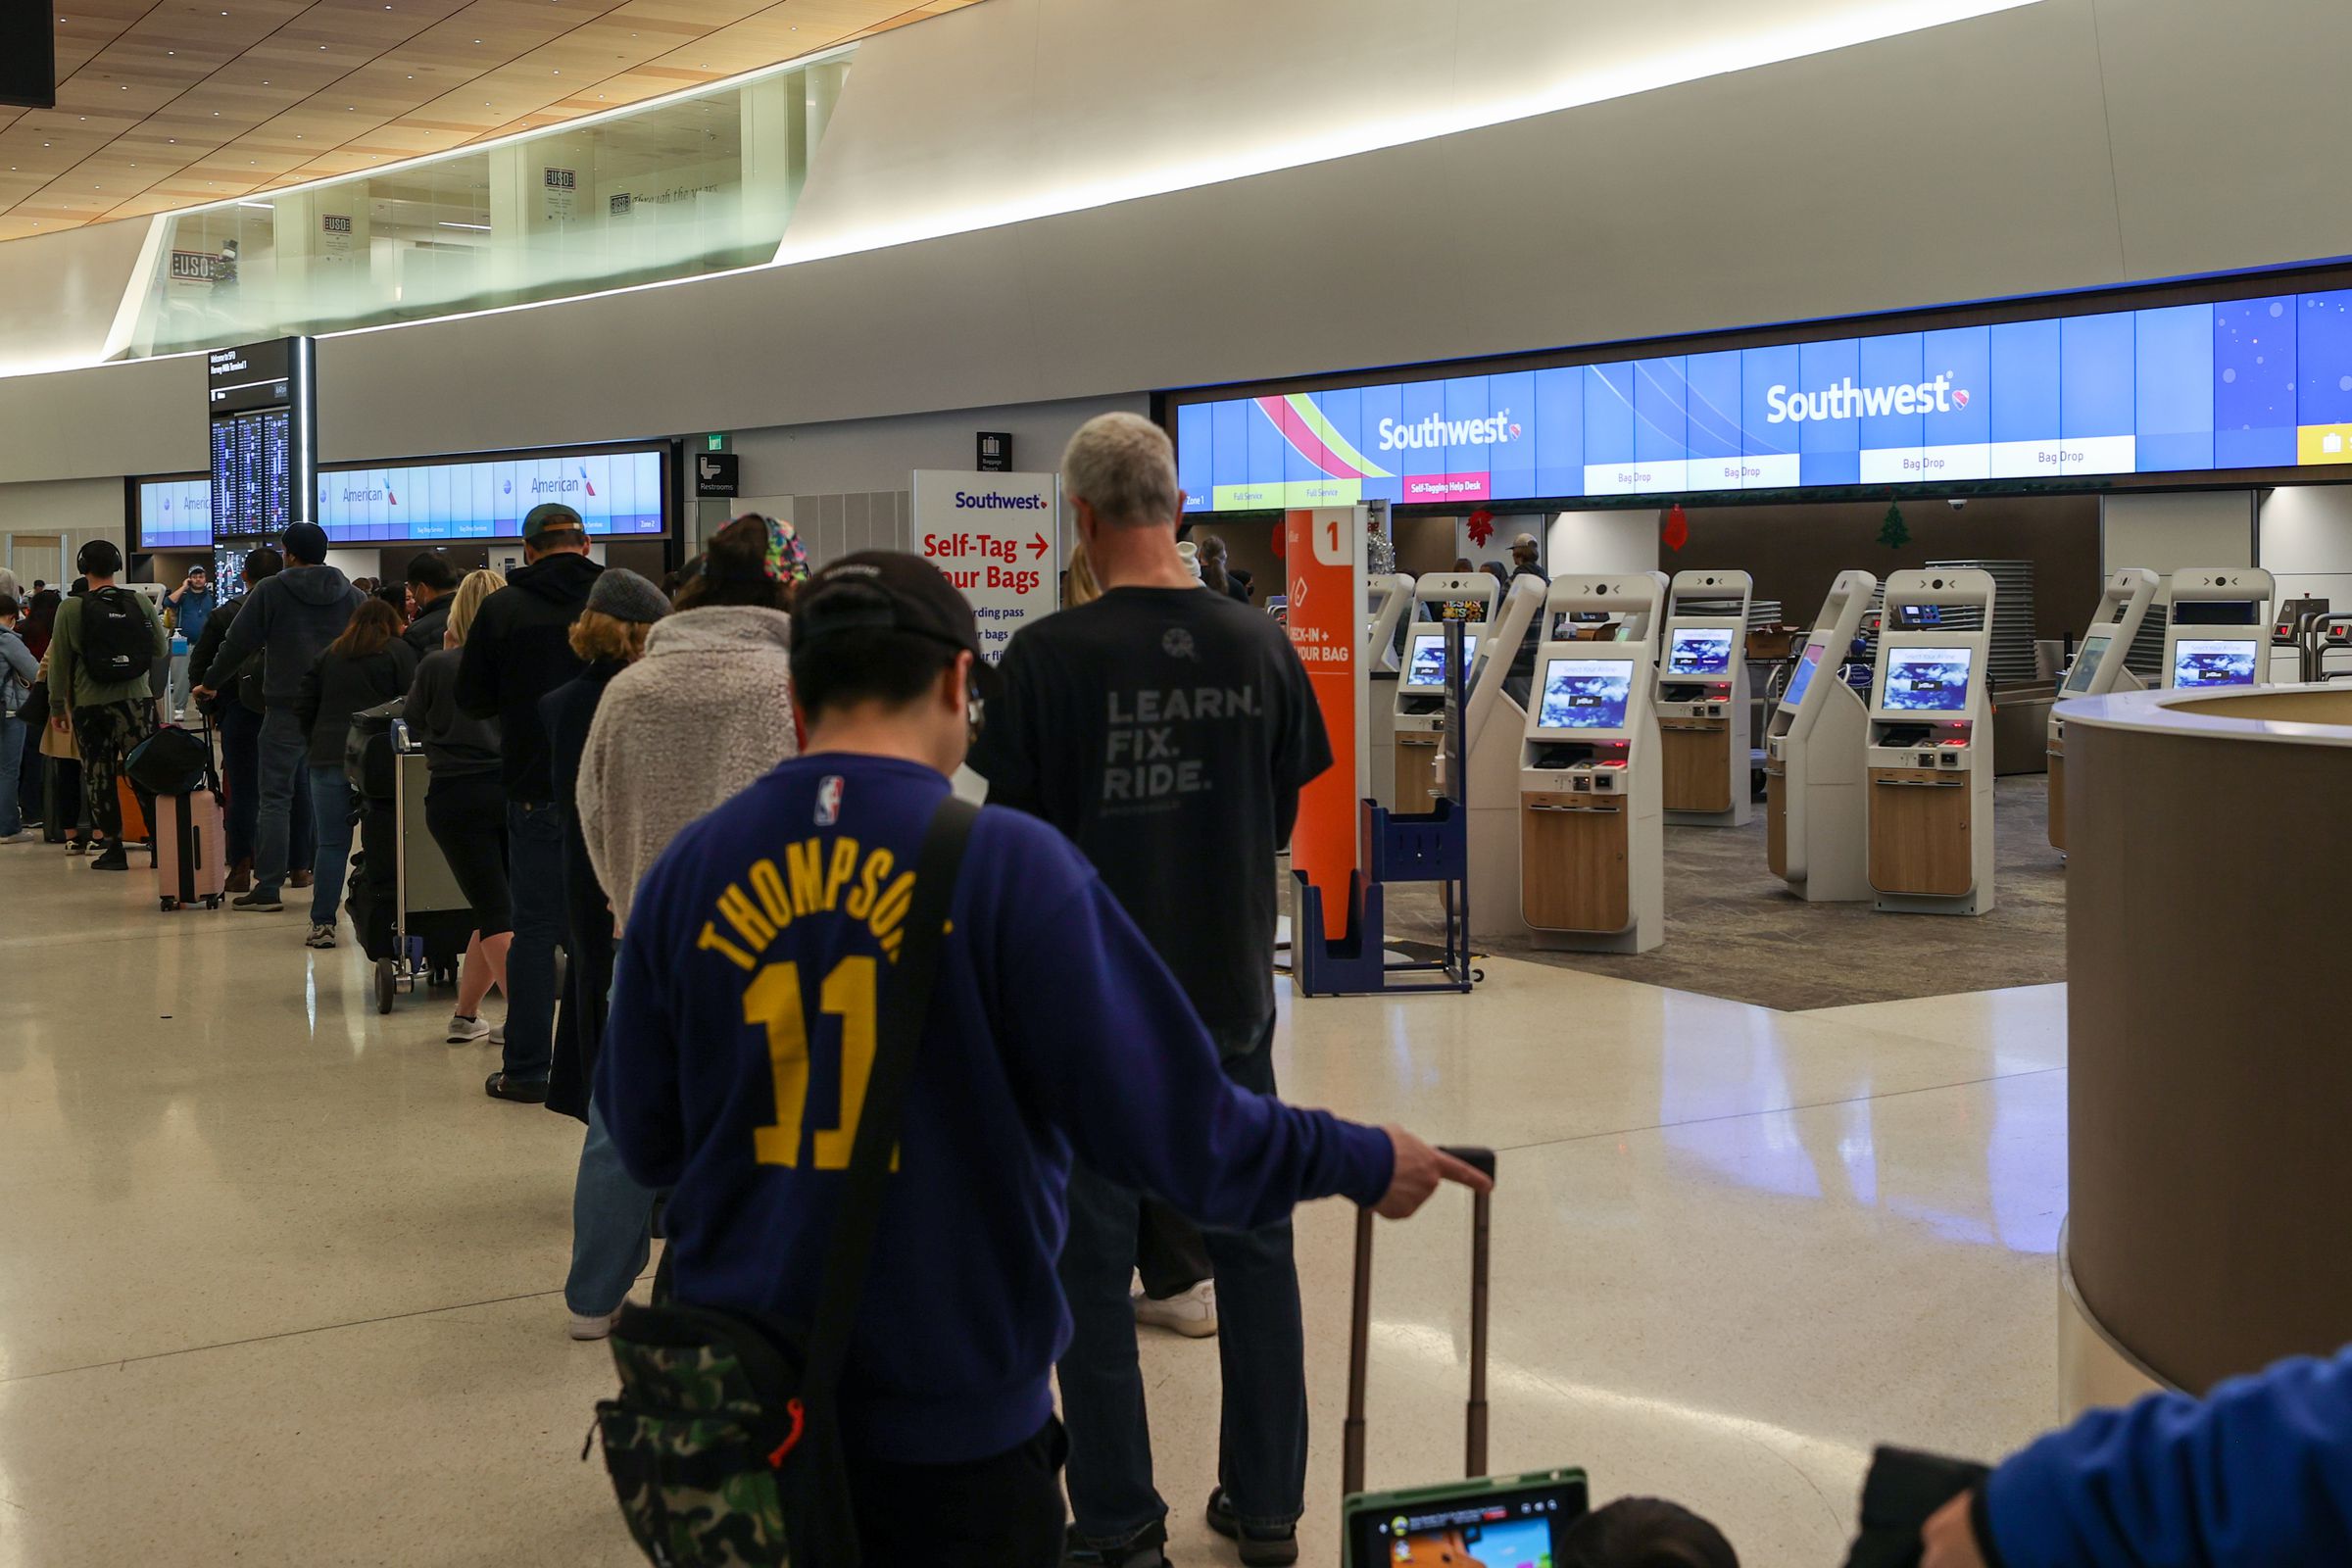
(1351, 1460)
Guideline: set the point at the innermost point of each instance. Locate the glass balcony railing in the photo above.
(687, 186)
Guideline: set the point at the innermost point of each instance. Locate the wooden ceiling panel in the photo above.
(175, 103)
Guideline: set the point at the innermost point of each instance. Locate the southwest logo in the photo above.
(1960, 397)
(1843, 400)
(1439, 431)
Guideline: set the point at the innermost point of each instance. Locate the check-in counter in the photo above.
(2209, 911)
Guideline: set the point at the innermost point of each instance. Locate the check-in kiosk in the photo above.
(1591, 822)
(1419, 706)
(1702, 701)
(1815, 838)
(1387, 602)
(1930, 799)
(2219, 631)
(1493, 723)
(2098, 669)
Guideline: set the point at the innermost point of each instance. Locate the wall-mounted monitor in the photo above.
(1585, 693)
(175, 514)
(1928, 680)
(2214, 662)
(1700, 651)
(2087, 664)
(1808, 662)
(1425, 669)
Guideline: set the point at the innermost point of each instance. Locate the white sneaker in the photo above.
(16, 838)
(498, 1034)
(598, 1327)
(1192, 1313)
(322, 936)
(463, 1030)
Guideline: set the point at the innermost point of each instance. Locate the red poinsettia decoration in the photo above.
(1282, 539)
(1482, 527)
(1678, 527)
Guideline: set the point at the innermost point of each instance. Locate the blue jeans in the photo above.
(330, 812)
(535, 886)
(282, 833)
(11, 761)
(1261, 1352)
(611, 1225)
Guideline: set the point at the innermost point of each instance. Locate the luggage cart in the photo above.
(423, 884)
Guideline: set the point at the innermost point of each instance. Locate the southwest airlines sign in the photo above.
(2252, 383)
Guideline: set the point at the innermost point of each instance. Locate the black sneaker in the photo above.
(1146, 1550)
(1259, 1548)
(529, 1091)
(258, 902)
(114, 859)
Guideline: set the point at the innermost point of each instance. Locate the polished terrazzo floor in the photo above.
(278, 1285)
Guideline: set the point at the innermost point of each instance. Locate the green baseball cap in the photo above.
(550, 514)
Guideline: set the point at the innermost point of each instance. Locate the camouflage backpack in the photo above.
(722, 1446)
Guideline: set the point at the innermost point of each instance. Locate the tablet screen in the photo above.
(1928, 680)
(2210, 662)
(1427, 667)
(1518, 1524)
(1700, 650)
(1585, 693)
(1801, 677)
(2087, 664)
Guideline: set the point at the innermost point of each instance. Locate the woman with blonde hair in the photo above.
(465, 807)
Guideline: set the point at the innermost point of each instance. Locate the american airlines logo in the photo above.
(1439, 431)
(542, 487)
(1847, 400)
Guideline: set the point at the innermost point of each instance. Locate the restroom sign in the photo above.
(998, 536)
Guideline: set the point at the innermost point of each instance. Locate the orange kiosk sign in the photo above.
(1323, 554)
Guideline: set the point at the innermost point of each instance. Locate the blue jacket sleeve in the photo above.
(2256, 1475)
(637, 1070)
(1105, 1039)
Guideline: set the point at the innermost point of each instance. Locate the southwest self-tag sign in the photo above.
(999, 539)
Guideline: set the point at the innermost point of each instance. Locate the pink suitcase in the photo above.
(191, 858)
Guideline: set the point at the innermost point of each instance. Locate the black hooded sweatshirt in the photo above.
(292, 617)
(518, 650)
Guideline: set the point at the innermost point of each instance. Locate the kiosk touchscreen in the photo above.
(1418, 708)
(2218, 632)
(1591, 824)
(1702, 698)
(1928, 801)
(2099, 669)
(1814, 835)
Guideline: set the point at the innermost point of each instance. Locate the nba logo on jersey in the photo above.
(828, 799)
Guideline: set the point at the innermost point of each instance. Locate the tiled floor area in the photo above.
(278, 1285)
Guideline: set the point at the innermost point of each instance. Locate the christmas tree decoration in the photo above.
(1894, 533)
(1678, 529)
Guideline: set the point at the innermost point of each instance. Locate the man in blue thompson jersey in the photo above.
(744, 1026)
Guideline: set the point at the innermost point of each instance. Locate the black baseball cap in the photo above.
(550, 514)
(890, 589)
(306, 544)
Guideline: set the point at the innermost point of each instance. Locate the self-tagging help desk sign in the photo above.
(999, 539)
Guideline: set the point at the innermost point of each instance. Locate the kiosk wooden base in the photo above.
(1416, 772)
(1576, 877)
(1922, 851)
(1776, 818)
(2058, 795)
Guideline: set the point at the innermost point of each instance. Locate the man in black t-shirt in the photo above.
(1167, 729)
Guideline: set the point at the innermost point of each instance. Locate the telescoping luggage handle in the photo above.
(1474, 1458)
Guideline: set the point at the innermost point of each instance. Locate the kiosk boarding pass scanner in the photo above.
(2098, 669)
(1419, 703)
(1930, 799)
(1814, 835)
(2219, 629)
(1703, 699)
(1592, 827)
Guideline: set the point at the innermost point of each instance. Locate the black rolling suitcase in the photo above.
(1491, 1518)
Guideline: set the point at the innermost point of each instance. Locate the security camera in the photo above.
(1955, 502)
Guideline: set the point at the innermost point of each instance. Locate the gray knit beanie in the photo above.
(623, 595)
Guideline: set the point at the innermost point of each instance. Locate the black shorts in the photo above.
(999, 1512)
(468, 817)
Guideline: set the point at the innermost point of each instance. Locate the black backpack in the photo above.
(117, 644)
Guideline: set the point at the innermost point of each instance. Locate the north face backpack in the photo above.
(115, 643)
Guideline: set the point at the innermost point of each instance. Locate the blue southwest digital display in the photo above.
(2251, 383)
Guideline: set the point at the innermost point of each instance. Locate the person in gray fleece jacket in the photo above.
(703, 713)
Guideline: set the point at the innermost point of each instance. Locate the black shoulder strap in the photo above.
(906, 1005)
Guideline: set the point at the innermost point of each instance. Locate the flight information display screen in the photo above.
(2212, 662)
(252, 490)
(1927, 680)
(1585, 693)
(2261, 382)
(175, 513)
